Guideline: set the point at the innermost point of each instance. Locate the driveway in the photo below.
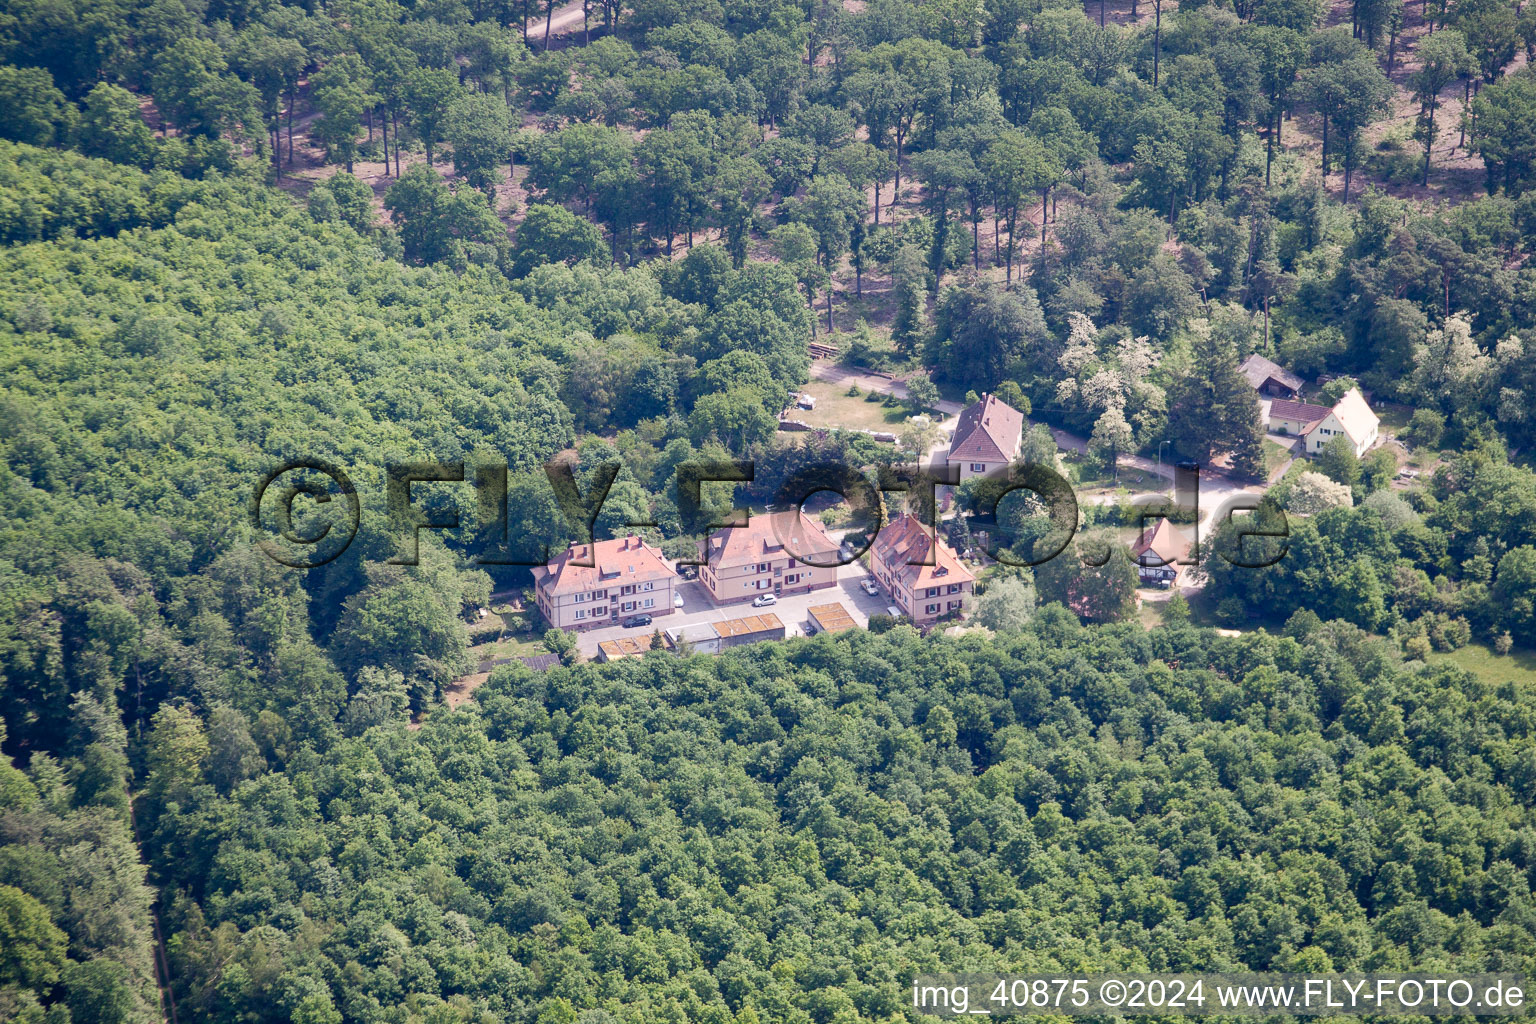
(1284, 440)
(793, 610)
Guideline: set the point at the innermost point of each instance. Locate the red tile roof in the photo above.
(906, 539)
(1280, 409)
(614, 563)
(1161, 545)
(768, 536)
(988, 432)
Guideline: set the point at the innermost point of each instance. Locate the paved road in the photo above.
(792, 610)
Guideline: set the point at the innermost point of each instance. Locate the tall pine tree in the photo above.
(1212, 410)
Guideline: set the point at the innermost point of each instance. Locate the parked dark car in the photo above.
(637, 620)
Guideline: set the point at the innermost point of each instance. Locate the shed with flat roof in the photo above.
(831, 618)
(748, 629)
(630, 647)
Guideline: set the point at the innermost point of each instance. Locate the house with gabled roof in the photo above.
(987, 438)
(1158, 552)
(591, 585)
(775, 553)
(922, 592)
(1352, 418)
(1269, 378)
(1294, 418)
(1317, 425)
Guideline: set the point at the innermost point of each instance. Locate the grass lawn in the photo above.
(1517, 666)
(514, 646)
(1091, 476)
(1094, 481)
(511, 645)
(1150, 614)
(835, 408)
(1394, 417)
(1274, 455)
(1202, 609)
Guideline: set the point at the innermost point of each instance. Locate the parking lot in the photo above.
(793, 610)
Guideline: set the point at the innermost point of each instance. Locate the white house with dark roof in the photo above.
(987, 438)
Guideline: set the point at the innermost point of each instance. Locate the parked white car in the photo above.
(677, 600)
(869, 587)
(764, 600)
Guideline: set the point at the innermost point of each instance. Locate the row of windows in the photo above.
(602, 595)
(793, 577)
(627, 606)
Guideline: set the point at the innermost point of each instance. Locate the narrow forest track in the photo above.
(162, 958)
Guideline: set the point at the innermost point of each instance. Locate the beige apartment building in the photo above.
(767, 556)
(923, 593)
(621, 577)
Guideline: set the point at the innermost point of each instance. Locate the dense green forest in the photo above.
(238, 232)
(789, 832)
